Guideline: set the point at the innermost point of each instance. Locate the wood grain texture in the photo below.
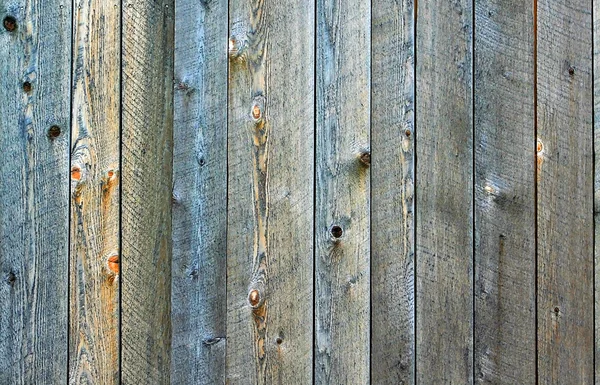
(270, 195)
(342, 259)
(444, 315)
(198, 296)
(596, 106)
(34, 184)
(392, 193)
(565, 200)
(95, 199)
(505, 327)
(147, 156)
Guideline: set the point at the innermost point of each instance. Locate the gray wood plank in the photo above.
(95, 198)
(596, 98)
(565, 200)
(342, 259)
(444, 190)
(505, 327)
(392, 193)
(147, 155)
(199, 186)
(270, 195)
(35, 62)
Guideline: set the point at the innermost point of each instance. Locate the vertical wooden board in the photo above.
(505, 327)
(565, 201)
(198, 296)
(270, 194)
(342, 259)
(147, 157)
(444, 188)
(35, 58)
(596, 148)
(392, 189)
(95, 200)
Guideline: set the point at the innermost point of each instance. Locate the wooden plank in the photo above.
(342, 259)
(505, 326)
(95, 198)
(392, 193)
(35, 61)
(596, 148)
(200, 181)
(564, 192)
(147, 154)
(270, 195)
(444, 223)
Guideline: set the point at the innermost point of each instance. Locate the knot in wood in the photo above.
(254, 298)
(9, 23)
(365, 158)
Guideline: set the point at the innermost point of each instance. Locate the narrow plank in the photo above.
(95, 198)
(147, 155)
(444, 222)
(392, 193)
(342, 259)
(596, 148)
(270, 195)
(200, 181)
(505, 327)
(35, 62)
(565, 200)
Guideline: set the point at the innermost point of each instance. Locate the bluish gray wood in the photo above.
(505, 328)
(565, 192)
(147, 157)
(95, 199)
(342, 259)
(392, 192)
(199, 188)
(270, 194)
(444, 189)
(34, 184)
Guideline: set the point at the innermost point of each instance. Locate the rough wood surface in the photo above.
(444, 219)
(392, 191)
(596, 106)
(342, 258)
(147, 155)
(199, 186)
(505, 328)
(95, 200)
(565, 200)
(34, 184)
(270, 196)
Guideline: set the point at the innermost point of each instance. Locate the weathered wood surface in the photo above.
(199, 188)
(35, 62)
(392, 193)
(342, 241)
(564, 192)
(270, 193)
(147, 155)
(444, 143)
(505, 326)
(95, 198)
(596, 148)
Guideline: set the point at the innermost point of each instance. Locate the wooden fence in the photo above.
(299, 191)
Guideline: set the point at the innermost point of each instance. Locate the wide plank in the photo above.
(392, 192)
(95, 194)
(444, 191)
(35, 62)
(198, 296)
(505, 283)
(270, 193)
(147, 157)
(565, 192)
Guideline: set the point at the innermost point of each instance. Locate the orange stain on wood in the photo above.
(113, 264)
(76, 173)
